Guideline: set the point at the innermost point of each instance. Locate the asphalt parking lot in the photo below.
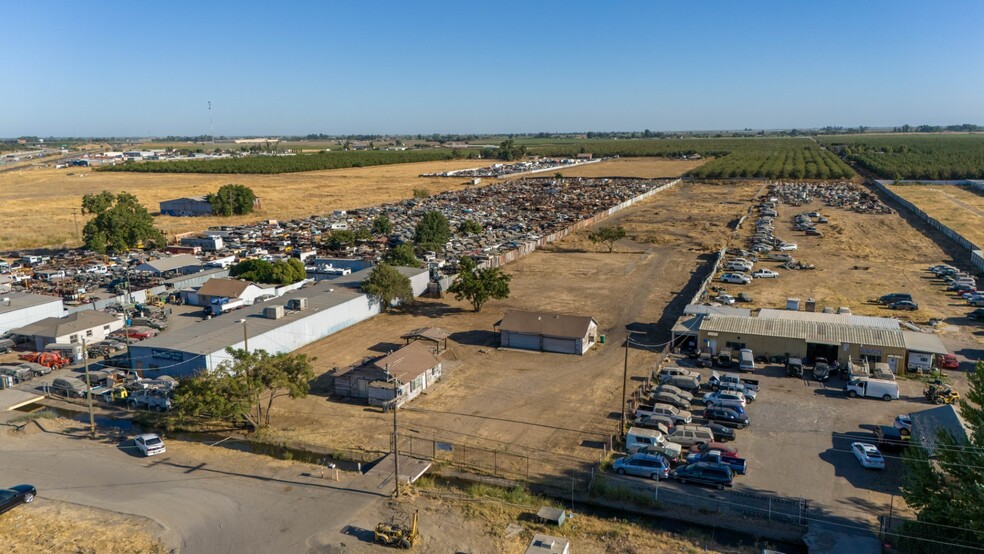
(798, 445)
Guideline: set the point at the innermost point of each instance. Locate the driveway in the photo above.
(208, 499)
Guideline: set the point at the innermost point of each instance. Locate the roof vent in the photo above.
(297, 304)
(273, 312)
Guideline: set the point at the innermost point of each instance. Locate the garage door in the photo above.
(564, 346)
(526, 342)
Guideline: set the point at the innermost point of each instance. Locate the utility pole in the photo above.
(396, 449)
(625, 382)
(88, 387)
(75, 216)
(126, 321)
(245, 336)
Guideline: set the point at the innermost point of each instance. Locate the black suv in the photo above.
(726, 417)
(895, 297)
(977, 314)
(705, 473)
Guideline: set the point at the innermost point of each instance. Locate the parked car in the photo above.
(672, 371)
(690, 435)
(737, 465)
(744, 297)
(906, 305)
(895, 297)
(655, 421)
(671, 399)
(903, 423)
(69, 387)
(725, 299)
(949, 361)
(890, 438)
(736, 278)
(729, 450)
(720, 395)
(679, 417)
(765, 274)
(726, 416)
(720, 432)
(704, 473)
(787, 246)
(977, 314)
(868, 455)
(15, 496)
(643, 465)
(150, 444)
(705, 359)
(666, 387)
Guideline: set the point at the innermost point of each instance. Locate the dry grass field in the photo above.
(959, 208)
(59, 527)
(37, 204)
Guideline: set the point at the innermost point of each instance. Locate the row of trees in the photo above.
(928, 157)
(792, 160)
(285, 164)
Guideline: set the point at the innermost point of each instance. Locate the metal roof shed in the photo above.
(923, 342)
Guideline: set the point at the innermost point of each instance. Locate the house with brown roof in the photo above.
(232, 289)
(566, 334)
(400, 375)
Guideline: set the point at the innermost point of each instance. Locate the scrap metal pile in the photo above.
(504, 170)
(839, 195)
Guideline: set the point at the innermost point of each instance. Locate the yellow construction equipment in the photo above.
(399, 535)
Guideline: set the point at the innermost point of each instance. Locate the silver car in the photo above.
(643, 465)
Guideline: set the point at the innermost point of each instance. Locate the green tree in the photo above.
(120, 223)
(232, 200)
(385, 285)
(242, 391)
(433, 229)
(946, 486)
(382, 226)
(402, 255)
(340, 239)
(470, 227)
(273, 273)
(608, 236)
(509, 151)
(478, 286)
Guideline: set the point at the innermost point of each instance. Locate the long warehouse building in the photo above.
(279, 325)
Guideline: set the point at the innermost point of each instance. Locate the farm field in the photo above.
(959, 208)
(486, 395)
(914, 156)
(647, 168)
(37, 204)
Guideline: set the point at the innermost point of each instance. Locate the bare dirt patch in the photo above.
(52, 526)
(959, 208)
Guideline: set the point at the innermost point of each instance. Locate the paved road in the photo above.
(232, 503)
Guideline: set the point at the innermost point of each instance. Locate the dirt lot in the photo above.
(859, 258)
(959, 208)
(60, 527)
(38, 204)
(489, 397)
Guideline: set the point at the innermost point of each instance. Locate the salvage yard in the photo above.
(488, 397)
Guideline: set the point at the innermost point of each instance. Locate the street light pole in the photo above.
(625, 381)
(245, 336)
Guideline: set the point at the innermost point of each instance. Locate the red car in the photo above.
(949, 361)
(724, 448)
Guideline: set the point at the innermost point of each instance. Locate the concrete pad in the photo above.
(11, 399)
(380, 477)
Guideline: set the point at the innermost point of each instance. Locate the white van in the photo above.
(638, 438)
(873, 388)
(747, 362)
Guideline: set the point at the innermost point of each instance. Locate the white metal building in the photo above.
(18, 309)
(180, 264)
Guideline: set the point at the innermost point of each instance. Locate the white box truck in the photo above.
(873, 388)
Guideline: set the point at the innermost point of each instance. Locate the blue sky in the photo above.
(94, 68)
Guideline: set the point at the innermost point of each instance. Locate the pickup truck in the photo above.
(149, 400)
(732, 380)
(738, 465)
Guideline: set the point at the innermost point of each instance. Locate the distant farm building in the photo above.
(188, 206)
(566, 334)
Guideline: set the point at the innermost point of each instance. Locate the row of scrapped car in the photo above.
(962, 284)
(663, 429)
